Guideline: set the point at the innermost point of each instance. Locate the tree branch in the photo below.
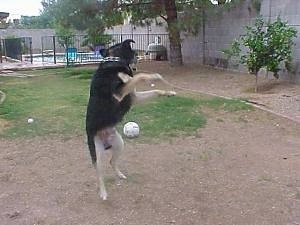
(134, 4)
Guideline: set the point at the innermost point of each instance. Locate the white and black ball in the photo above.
(131, 130)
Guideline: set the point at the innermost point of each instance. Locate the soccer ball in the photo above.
(131, 129)
(30, 120)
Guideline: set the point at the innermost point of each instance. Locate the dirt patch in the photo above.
(4, 124)
(242, 168)
(278, 96)
(267, 88)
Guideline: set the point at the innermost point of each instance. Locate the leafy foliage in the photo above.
(234, 50)
(65, 35)
(280, 45)
(36, 22)
(257, 42)
(268, 44)
(94, 16)
(94, 38)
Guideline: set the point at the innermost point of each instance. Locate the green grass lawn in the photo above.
(57, 99)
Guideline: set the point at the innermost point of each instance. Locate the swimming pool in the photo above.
(80, 57)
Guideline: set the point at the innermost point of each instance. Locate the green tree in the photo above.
(180, 15)
(268, 45)
(36, 22)
(65, 35)
(280, 43)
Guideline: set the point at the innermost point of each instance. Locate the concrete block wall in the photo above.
(192, 48)
(35, 34)
(223, 28)
(220, 31)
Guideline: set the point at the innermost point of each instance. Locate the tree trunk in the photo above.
(174, 33)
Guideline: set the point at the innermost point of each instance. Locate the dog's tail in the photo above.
(92, 148)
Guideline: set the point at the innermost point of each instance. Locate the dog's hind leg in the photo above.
(117, 148)
(99, 167)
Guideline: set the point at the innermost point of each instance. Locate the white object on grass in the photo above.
(131, 129)
(30, 120)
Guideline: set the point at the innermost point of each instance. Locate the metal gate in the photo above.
(15, 48)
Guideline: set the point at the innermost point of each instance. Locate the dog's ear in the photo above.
(126, 43)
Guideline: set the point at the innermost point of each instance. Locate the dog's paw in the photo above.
(124, 77)
(121, 175)
(170, 93)
(156, 76)
(118, 98)
(103, 195)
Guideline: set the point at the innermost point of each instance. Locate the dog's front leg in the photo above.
(99, 168)
(131, 82)
(142, 96)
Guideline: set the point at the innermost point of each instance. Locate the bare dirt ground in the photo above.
(243, 168)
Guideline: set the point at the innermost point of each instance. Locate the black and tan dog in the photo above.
(112, 93)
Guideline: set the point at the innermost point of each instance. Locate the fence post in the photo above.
(67, 53)
(0, 50)
(54, 51)
(42, 39)
(203, 38)
(30, 50)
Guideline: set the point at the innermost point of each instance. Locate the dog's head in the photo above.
(122, 50)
